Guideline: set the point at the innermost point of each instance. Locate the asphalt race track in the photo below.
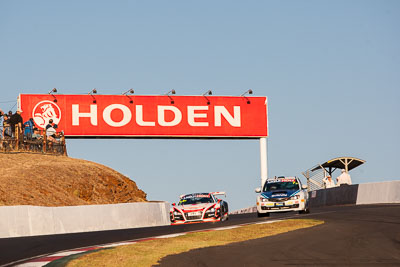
(13, 250)
(351, 236)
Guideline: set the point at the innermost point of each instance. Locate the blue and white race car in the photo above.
(282, 194)
(199, 207)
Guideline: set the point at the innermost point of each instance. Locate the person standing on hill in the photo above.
(1, 123)
(29, 125)
(16, 119)
(6, 126)
(344, 178)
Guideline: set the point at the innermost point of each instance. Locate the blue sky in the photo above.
(330, 70)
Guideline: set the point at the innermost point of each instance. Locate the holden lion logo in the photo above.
(44, 111)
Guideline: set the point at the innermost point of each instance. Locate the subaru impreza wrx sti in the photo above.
(282, 194)
(199, 207)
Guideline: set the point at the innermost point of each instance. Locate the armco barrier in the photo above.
(17, 221)
(384, 192)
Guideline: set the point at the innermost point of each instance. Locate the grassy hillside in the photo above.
(45, 180)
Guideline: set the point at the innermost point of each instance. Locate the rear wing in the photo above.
(218, 193)
(203, 194)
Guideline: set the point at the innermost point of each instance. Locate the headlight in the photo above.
(177, 213)
(263, 199)
(295, 197)
(211, 210)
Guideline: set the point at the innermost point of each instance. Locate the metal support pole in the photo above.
(263, 159)
(16, 136)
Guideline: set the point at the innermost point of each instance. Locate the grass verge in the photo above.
(148, 253)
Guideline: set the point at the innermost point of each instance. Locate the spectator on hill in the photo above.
(51, 124)
(36, 134)
(16, 120)
(6, 126)
(344, 178)
(1, 123)
(328, 182)
(9, 114)
(51, 131)
(29, 125)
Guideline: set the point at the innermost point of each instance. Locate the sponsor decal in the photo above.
(185, 197)
(289, 193)
(44, 111)
(287, 180)
(279, 195)
(197, 213)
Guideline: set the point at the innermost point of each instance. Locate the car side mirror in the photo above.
(258, 190)
(304, 186)
(173, 204)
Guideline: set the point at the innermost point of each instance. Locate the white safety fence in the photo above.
(17, 221)
(375, 193)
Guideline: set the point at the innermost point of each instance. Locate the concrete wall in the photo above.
(16, 221)
(369, 193)
(384, 192)
(345, 194)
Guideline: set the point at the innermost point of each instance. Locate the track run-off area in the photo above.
(363, 235)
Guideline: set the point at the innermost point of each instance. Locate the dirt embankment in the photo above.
(44, 180)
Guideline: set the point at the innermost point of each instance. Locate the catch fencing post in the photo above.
(64, 145)
(44, 149)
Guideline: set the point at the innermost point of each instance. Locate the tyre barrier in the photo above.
(357, 194)
(19, 221)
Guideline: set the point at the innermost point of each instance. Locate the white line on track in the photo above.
(169, 236)
(34, 264)
(117, 244)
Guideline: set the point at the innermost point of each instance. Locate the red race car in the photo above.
(199, 207)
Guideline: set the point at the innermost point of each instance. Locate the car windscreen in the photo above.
(273, 186)
(195, 200)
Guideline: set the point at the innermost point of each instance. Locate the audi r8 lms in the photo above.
(282, 194)
(199, 207)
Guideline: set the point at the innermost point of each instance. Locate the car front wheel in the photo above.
(305, 211)
(262, 214)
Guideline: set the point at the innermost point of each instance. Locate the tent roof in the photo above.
(340, 163)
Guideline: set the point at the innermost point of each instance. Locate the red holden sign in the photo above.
(149, 116)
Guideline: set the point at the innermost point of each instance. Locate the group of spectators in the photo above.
(27, 130)
(8, 121)
(342, 179)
